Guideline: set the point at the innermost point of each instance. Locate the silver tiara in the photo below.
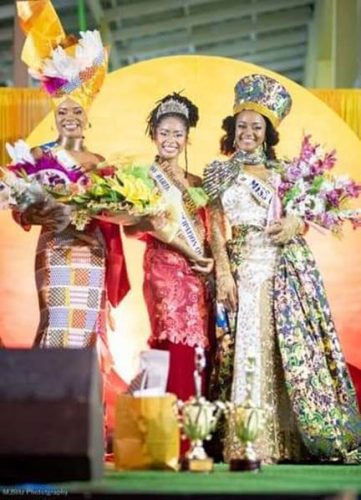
(173, 106)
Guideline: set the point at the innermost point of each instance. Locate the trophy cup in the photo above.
(198, 419)
(247, 421)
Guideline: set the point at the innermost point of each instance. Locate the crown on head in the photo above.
(263, 94)
(172, 106)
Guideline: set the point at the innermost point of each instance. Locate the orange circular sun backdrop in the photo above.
(118, 119)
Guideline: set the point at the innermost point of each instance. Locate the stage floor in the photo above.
(287, 481)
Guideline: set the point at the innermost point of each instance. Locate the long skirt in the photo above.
(70, 279)
(299, 378)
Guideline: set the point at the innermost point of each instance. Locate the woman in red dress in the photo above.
(175, 273)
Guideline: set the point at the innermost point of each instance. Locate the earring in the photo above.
(89, 125)
(186, 161)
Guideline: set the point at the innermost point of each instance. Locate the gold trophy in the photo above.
(198, 419)
(246, 421)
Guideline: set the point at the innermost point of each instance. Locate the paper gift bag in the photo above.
(146, 433)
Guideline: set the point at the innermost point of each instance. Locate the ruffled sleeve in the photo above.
(212, 179)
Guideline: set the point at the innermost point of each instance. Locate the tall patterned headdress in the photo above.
(172, 106)
(263, 94)
(66, 66)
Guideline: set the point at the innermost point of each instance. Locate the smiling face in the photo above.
(170, 137)
(250, 131)
(70, 119)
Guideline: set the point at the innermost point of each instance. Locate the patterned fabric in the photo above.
(263, 94)
(175, 295)
(323, 398)
(284, 322)
(220, 175)
(70, 277)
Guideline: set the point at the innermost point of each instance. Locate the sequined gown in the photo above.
(254, 260)
(283, 321)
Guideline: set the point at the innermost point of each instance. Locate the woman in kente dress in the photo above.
(267, 276)
(175, 273)
(77, 273)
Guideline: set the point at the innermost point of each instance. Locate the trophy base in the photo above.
(244, 465)
(196, 465)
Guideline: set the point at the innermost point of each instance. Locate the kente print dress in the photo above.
(75, 273)
(283, 321)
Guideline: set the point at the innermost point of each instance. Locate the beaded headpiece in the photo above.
(263, 94)
(172, 106)
(66, 66)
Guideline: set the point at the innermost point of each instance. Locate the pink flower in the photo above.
(353, 189)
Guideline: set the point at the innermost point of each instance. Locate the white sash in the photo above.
(64, 158)
(261, 192)
(186, 224)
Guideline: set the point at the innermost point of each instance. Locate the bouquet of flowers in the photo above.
(115, 191)
(118, 191)
(308, 189)
(27, 180)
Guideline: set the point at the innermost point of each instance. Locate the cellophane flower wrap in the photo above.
(22, 183)
(309, 190)
(18, 193)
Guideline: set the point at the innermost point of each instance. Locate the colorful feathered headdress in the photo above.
(65, 65)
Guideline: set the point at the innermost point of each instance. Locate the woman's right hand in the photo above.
(227, 291)
(203, 265)
(49, 214)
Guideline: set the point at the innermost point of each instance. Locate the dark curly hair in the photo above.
(191, 121)
(227, 140)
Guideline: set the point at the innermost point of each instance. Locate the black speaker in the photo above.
(51, 417)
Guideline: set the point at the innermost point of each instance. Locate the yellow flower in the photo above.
(134, 190)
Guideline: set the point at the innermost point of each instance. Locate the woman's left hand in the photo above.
(283, 230)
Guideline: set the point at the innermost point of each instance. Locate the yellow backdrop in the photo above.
(118, 126)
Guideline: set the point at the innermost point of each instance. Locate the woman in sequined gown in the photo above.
(267, 276)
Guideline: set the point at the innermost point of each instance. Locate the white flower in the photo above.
(317, 204)
(302, 186)
(20, 152)
(326, 186)
(341, 181)
(296, 208)
(88, 49)
(304, 168)
(61, 65)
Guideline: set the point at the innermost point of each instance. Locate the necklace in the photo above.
(72, 143)
(256, 157)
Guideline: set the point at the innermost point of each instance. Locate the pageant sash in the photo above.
(186, 225)
(65, 159)
(258, 189)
